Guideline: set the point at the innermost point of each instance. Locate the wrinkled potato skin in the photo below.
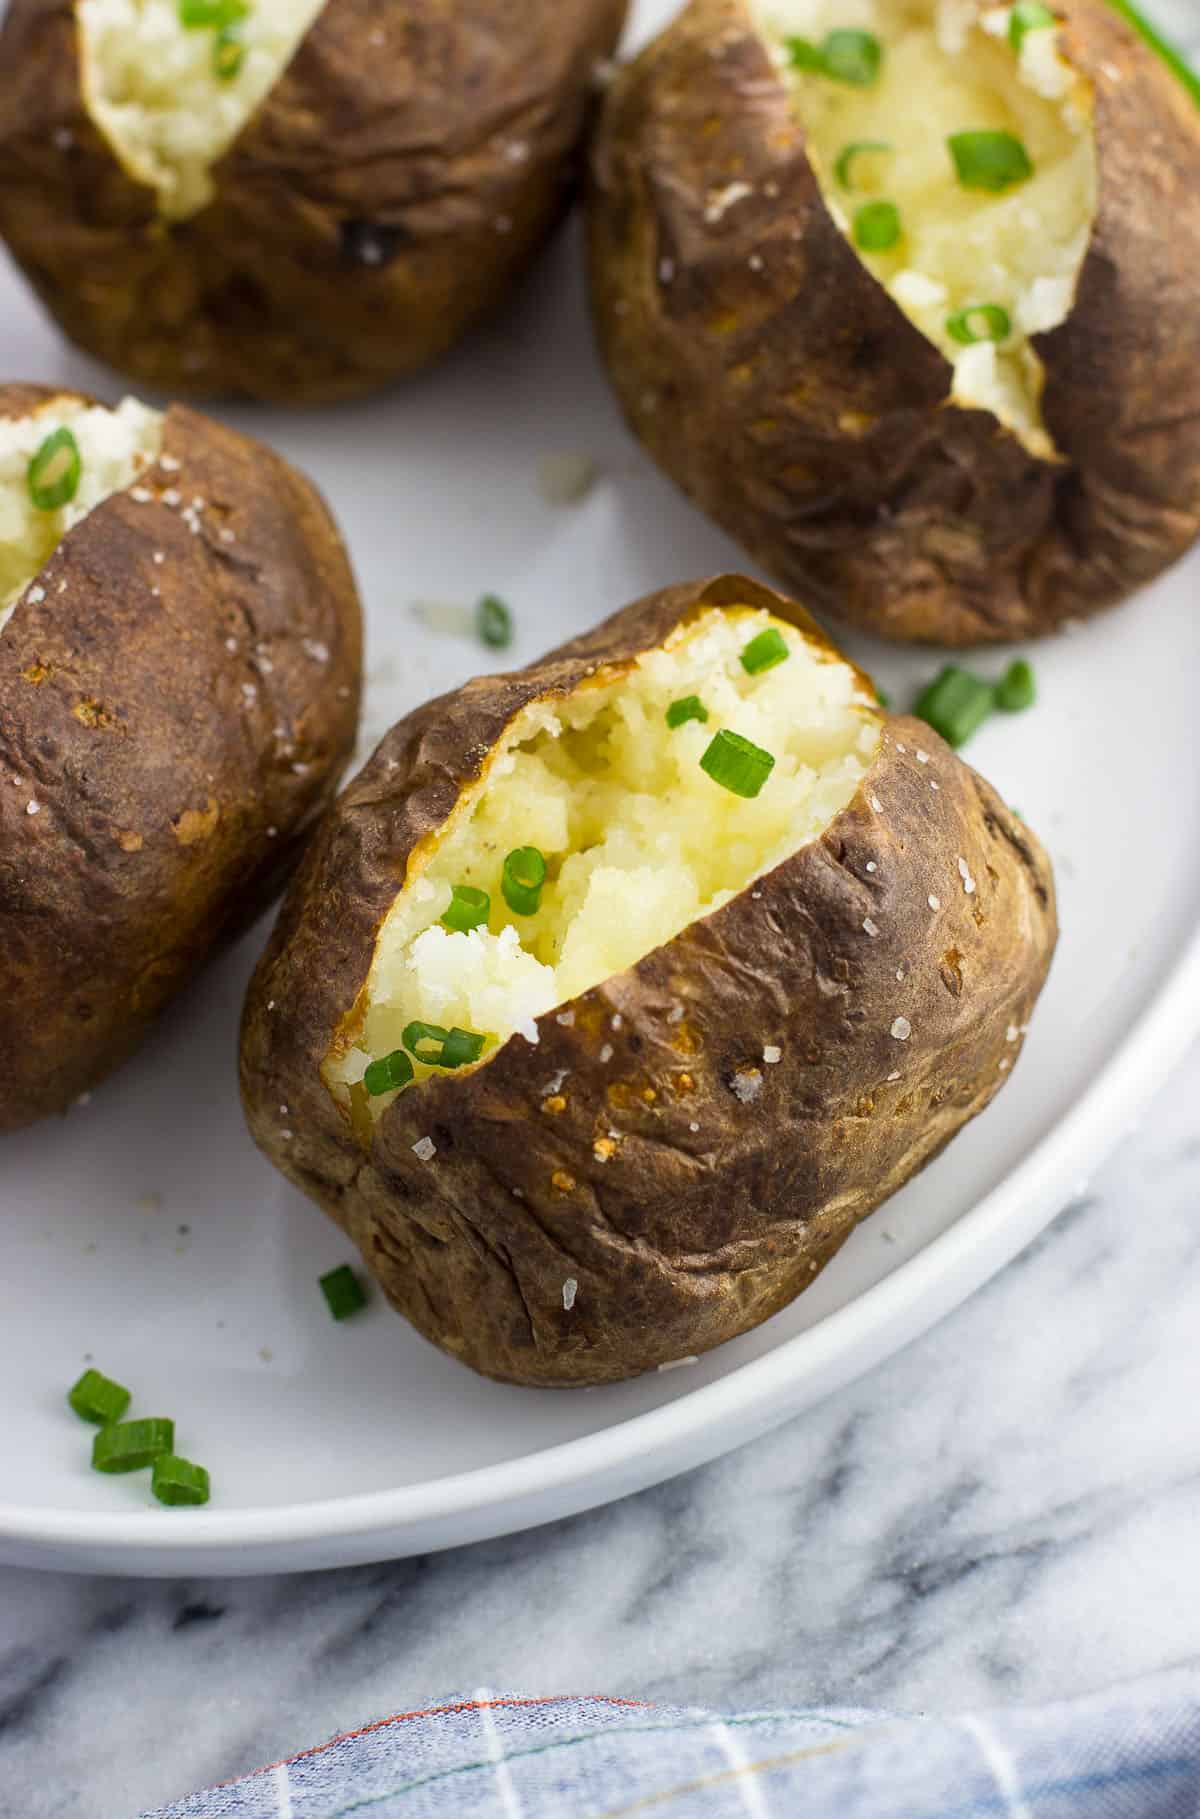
(683, 1238)
(798, 406)
(171, 805)
(261, 293)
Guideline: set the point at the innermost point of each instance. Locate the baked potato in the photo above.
(179, 684)
(901, 293)
(295, 200)
(615, 992)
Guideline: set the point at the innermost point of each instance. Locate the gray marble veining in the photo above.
(1007, 1511)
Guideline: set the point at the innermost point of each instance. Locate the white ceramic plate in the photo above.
(146, 1232)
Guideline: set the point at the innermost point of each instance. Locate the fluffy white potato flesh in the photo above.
(639, 841)
(114, 447)
(154, 86)
(950, 68)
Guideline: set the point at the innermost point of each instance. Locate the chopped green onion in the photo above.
(177, 1481)
(385, 1075)
(1160, 46)
(228, 54)
(522, 880)
(461, 1047)
(200, 15)
(418, 1036)
(955, 704)
(1028, 16)
(494, 623)
(53, 473)
(843, 170)
(343, 1292)
(688, 707)
(130, 1446)
(854, 57)
(737, 765)
(877, 227)
(992, 161)
(804, 54)
(1018, 690)
(883, 698)
(979, 322)
(765, 651)
(468, 909)
(97, 1398)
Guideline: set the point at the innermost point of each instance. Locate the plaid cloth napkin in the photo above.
(1130, 1754)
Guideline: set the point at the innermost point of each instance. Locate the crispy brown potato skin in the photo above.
(368, 215)
(175, 777)
(683, 1237)
(799, 407)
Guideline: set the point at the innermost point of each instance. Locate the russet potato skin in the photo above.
(367, 216)
(796, 404)
(644, 1147)
(178, 744)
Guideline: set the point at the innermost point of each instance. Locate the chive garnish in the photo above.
(177, 1481)
(1028, 16)
(843, 170)
(979, 322)
(53, 474)
(494, 623)
(343, 1292)
(203, 15)
(993, 161)
(130, 1446)
(764, 652)
(468, 909)
(228, 54)
(877, 227)
(854, 57)
(804, 54)
(385, 1075)
(955, 704)
(418, 1038)
(1160, 46)
(461, 1047)
(737, 765)
(688, 707)
(1018, 690)
(97, 1398)
(522, 880)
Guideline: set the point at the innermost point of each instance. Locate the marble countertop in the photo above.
(1005, 1512)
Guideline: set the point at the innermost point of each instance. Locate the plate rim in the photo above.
(778, 1384)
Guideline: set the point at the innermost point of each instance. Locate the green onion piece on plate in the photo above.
(177, 1481)
(468, 909)
(955, 704)
(461, 1047)
(979, 322)
(522, 880)
(854, 57)
(343, 1292)
(1028, 16)
(765, 651)
(737, 765)
(205, 15)
(97, 1398)
(688, 707)
(494, 623)
(843, 170)
(804, 54)
(426, 1041)
(1159, 45)
(130, 1446)
(228, 54)
(1018, 690)
(993, 161)
(53, 473)
(388, 1073)
(877, 227)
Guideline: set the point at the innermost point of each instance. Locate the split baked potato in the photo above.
(901, 293)
(613, 993)
(179, 683)
(296, 200)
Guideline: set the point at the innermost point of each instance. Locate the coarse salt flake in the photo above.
(871, 866)
(1012, 1033)
(722, 200)
(772, 1054)
(566, 1018)
(746, 1085)
(964, 872)
(870, 928)
(569, 1291)
(33, 808)
(606, 1053)
(894, 1075)
(425, 1149)
(902, 1029)
(935, 903)
(876, 804)
(36, 595)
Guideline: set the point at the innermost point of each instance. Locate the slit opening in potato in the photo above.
(114, 446)
(171, 97)
(637, 838)
(979, 270)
